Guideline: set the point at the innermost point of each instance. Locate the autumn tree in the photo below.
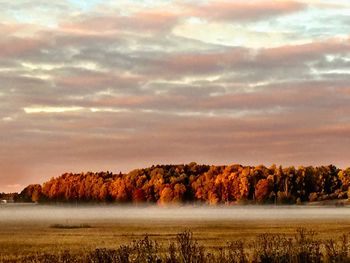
(138, 196)
(166, 196)
(32, 193)
(263, 190)
(196, 183)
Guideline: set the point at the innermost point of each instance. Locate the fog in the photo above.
(31, 213)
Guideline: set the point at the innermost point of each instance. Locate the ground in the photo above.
(39, 236)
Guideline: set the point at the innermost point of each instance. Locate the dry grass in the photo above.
(30, 238)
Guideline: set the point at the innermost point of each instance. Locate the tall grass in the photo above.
(302, 247)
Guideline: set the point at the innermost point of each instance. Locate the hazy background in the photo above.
(116, 85)
(29, 213)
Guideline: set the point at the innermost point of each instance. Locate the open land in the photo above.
(30, 229)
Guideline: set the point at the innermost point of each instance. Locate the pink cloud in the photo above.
(345, 91)
(122, 141)
(172, 65)
(16, 46)
(157, 20)
(145, 21)
(244, 10)
(97, 80)
(286, 54)
(11, 28)
(125, 101)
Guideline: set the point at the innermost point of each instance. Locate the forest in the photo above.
(189, 183)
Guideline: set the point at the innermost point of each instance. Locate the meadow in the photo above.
(34, 230)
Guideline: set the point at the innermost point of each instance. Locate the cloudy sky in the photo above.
(115, 85)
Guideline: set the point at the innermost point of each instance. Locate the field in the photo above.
(26, 231)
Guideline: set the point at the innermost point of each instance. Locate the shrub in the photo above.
(189, 249)
(145, 251)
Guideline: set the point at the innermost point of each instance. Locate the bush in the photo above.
(189, 249)
(103, 255)
(145, 251)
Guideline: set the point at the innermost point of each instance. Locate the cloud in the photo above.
(117, 87)
(306, 52)
(14, 47)
(45, 109)
(244, 10)
(142, 22)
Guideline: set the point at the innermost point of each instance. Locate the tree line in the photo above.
(164, 184)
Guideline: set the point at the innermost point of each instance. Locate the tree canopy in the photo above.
(164, 184)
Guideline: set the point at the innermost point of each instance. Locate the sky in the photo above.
(117, 85)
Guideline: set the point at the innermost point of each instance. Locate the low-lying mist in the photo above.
(30, 213)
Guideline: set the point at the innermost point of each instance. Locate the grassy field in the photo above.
(31, 237)
(79, 235)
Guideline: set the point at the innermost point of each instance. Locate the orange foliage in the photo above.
(192, 182)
